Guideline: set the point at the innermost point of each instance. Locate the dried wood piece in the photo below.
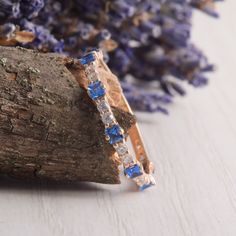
(49, 128)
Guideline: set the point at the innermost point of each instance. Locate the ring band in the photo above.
(138, 169)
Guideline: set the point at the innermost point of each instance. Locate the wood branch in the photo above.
(49, 128)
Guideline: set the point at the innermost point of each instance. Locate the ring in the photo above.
(137, 168)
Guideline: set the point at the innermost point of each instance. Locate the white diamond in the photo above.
(93, 77)
(128, 159)
(91, 73)
(89, 70)
(103, 106)
(142, 181)
(108, 118)
(121, 149)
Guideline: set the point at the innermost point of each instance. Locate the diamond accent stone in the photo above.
(103, 106)
(91, 73)
(93, 77)
(108, 118)
(145, 181)
(141, 180)
(128, 159)
(89, 69)
(121, 149)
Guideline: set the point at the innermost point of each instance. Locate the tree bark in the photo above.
(49, 128)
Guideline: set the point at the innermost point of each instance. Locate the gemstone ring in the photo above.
(114, 134)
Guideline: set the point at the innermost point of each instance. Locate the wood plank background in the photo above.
(194, 150)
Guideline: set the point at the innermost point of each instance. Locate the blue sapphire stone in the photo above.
(85, 60)
(133, 171)
(143, 187)
(114, 133)
(96, 90)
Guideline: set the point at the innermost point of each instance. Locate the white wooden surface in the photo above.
(195, 154)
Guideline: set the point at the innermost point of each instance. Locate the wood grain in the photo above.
(194, 151)
(49, 128)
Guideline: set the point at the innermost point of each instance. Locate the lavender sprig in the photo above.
(149, 40)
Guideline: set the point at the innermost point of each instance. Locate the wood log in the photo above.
(49, 128)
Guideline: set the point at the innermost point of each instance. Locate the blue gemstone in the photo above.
(114, 133)
(133, 171)
(143, 187)
(96, 90)
(87, 59)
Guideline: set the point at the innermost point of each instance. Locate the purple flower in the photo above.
(9, 9)
(31, 8)
(153, 39)
(7, 30)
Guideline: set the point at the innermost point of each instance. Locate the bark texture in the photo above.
(49, 128)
